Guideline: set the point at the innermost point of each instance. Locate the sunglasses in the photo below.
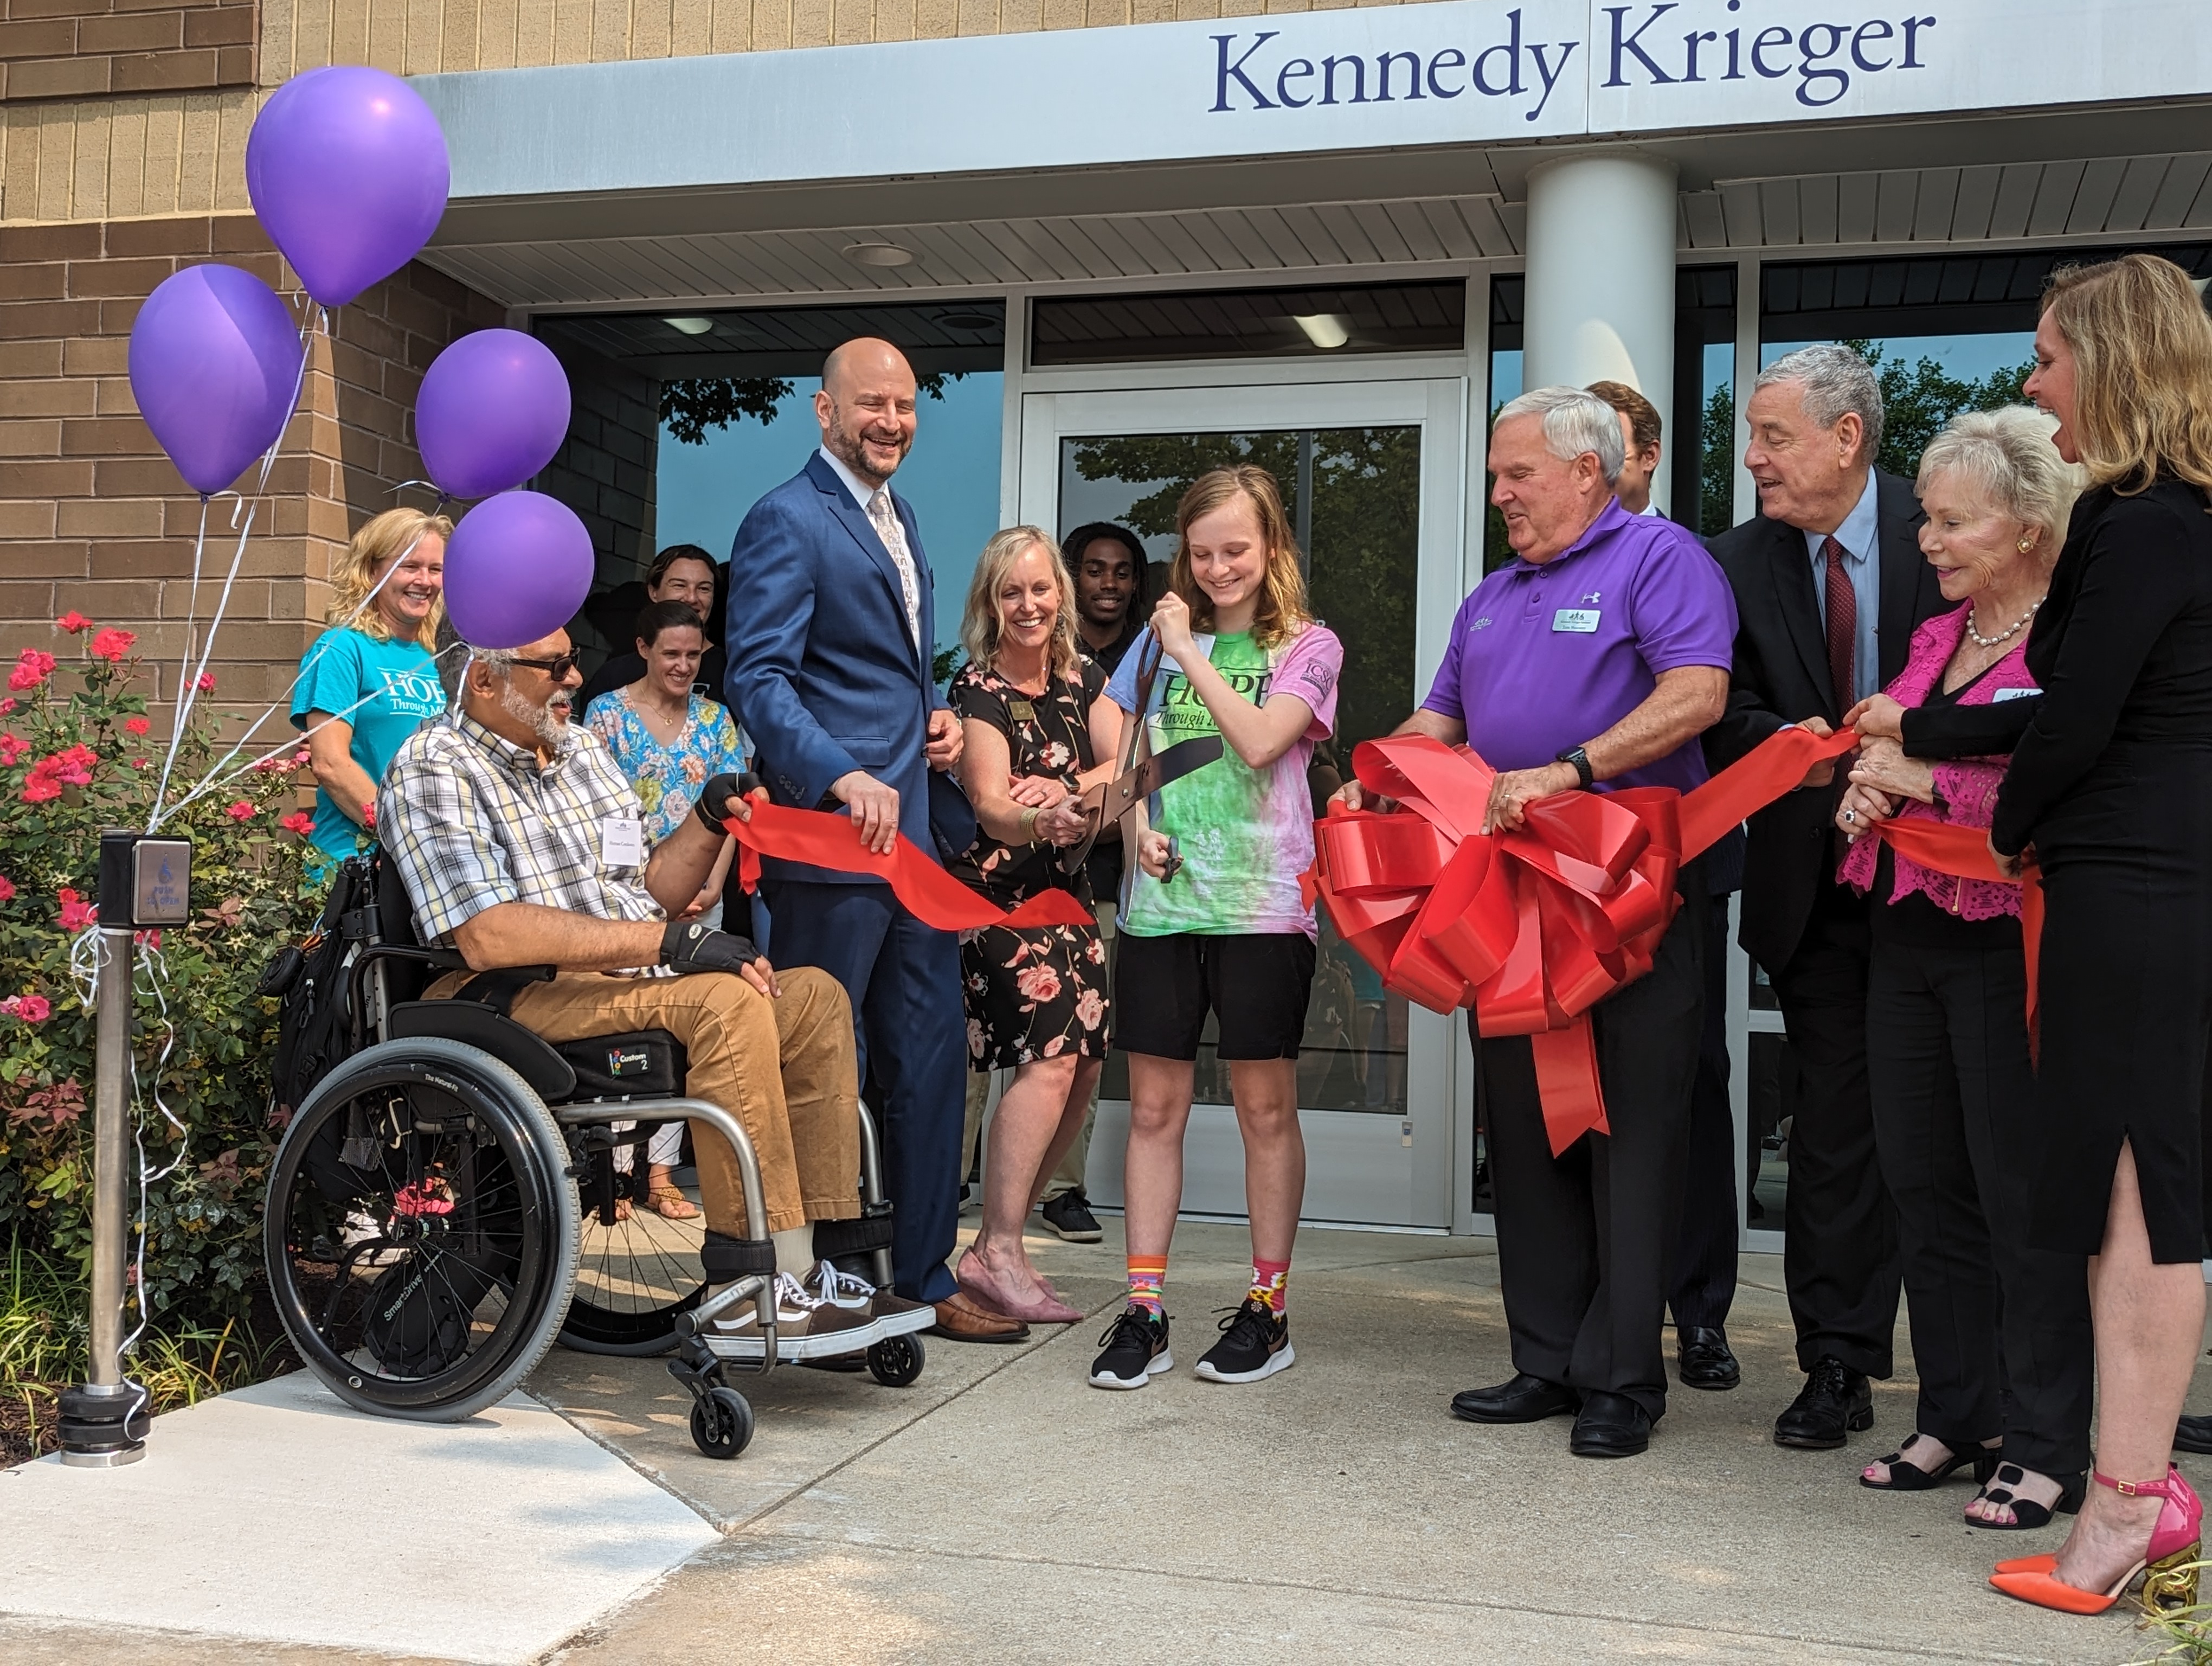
(557, 668)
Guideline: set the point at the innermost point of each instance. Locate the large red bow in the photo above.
(1534, 926)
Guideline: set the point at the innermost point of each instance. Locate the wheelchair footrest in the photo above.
(724, 1345)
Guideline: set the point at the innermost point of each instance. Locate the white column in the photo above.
(1600, 296)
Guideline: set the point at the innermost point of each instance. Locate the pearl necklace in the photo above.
(2005, 635)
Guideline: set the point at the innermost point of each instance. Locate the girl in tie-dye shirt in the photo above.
(1213, 921)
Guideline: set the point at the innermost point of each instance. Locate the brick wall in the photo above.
(52, 49)
(93, 517)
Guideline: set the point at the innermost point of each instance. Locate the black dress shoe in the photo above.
(2193, 1434)
(1835, 1401)
(1610, 1425)
(1704, 1360)
(1526, 1399)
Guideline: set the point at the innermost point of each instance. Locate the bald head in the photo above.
(865, 408)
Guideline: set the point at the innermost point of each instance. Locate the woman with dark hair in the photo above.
(682, 573)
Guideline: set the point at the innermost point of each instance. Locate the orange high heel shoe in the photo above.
(2168, 1568)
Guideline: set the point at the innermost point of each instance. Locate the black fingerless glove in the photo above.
(688, 947)
(715, 797)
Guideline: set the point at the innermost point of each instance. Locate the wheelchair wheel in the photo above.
(420, 1234)
(636, 1276)
(896, 1361)
(721, 1423)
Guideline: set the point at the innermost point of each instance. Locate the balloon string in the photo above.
(189, 695)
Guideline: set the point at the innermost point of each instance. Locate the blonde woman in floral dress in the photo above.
(1036, 724)
(670, 741)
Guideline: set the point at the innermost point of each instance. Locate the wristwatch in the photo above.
(1580, 759)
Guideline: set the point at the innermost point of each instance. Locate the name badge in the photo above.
(622, 841)
(1021, 711)
(1582, 620)
(2012, 694)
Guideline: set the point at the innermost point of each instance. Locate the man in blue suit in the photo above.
(830, 635)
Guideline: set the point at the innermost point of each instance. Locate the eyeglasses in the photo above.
(557, 667)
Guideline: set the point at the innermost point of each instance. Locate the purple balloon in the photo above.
(215, 366)
(493, 410)
(347, 171)
(517, 567)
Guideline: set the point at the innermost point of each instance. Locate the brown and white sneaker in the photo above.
(827, 1283)
(802, 1318)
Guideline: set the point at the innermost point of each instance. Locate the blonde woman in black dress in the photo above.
(1035, 730)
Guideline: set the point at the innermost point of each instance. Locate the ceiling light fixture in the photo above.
(879, 254)
(690, 326)
(959, 319)
(1326, 330)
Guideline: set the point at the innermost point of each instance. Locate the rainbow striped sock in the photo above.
(1147, 1275)
(1270, 1280)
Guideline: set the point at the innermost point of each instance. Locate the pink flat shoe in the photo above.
(974, 1277)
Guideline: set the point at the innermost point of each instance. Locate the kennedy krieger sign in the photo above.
(1460, 72)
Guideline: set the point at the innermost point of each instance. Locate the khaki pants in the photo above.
(783, 1068)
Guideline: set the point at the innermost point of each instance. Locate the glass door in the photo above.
(1370, 474)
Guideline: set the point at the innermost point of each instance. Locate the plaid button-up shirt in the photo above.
(473, 822)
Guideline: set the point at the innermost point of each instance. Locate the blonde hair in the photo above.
(2142, 378)
(2006, 455)
(382, 540)
(979, 624)
(1282, 612)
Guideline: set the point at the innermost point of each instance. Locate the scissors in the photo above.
(1142, 772)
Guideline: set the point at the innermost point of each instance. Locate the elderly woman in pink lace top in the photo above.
(2000, 1330)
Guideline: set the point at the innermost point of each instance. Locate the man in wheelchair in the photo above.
(521, 844)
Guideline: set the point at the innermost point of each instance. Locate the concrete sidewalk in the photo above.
(1000, 1510)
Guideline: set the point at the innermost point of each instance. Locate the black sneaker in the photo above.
(1069, 1215)
(1257, 1344)
(1136, 1350)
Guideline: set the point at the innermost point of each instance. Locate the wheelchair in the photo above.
(447, 1200)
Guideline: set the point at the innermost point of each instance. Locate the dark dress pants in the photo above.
(1585, 1240)
(1839, 1257)
(904, 980)
(1706, 1251)
(2000, 1330)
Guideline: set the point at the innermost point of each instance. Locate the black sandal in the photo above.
(2026, 1514)
(1908, 1477)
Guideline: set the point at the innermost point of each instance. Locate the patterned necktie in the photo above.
(885, 519)
(1843, 629)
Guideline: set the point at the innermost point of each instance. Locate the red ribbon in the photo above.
(927, 891)
(1534, 927)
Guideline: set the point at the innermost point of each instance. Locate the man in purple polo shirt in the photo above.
(1593, 662)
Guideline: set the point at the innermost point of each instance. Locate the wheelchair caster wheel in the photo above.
(721, 1423)
(897, 1360)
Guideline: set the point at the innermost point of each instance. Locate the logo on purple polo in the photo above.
(1482, 623)
(1591, 600)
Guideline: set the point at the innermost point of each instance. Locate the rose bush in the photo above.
(75, 759)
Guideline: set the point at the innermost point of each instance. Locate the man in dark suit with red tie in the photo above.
(1830, 585)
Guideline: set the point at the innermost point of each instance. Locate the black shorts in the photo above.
(1254, 983)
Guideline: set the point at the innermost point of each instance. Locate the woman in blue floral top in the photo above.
(670, 741)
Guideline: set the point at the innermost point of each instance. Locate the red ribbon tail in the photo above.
(1567, 1082)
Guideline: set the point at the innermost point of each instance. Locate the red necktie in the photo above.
(1843, 627)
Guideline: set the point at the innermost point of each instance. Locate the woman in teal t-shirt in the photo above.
(368, 682)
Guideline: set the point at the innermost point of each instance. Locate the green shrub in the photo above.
(74, 761)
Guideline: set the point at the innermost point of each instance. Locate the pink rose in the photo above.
(240, 811)
(44, 781)
(1055, 1046)
(73, 622)
(298, 822)
(974, 1038)
(31, 669)
(34, 1009)
(207, 682)
(7, 890)
(137, 724)
(1089, 1009)
(1038, 984)
(112, 645)
(76, 913)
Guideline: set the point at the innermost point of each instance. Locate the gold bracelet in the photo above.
(1029, 823)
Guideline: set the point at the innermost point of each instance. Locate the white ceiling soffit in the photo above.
(2001, 201)
(989, 253)
(2111, 195)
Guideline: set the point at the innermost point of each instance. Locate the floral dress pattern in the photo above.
(1038, 993)
(667, 778)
